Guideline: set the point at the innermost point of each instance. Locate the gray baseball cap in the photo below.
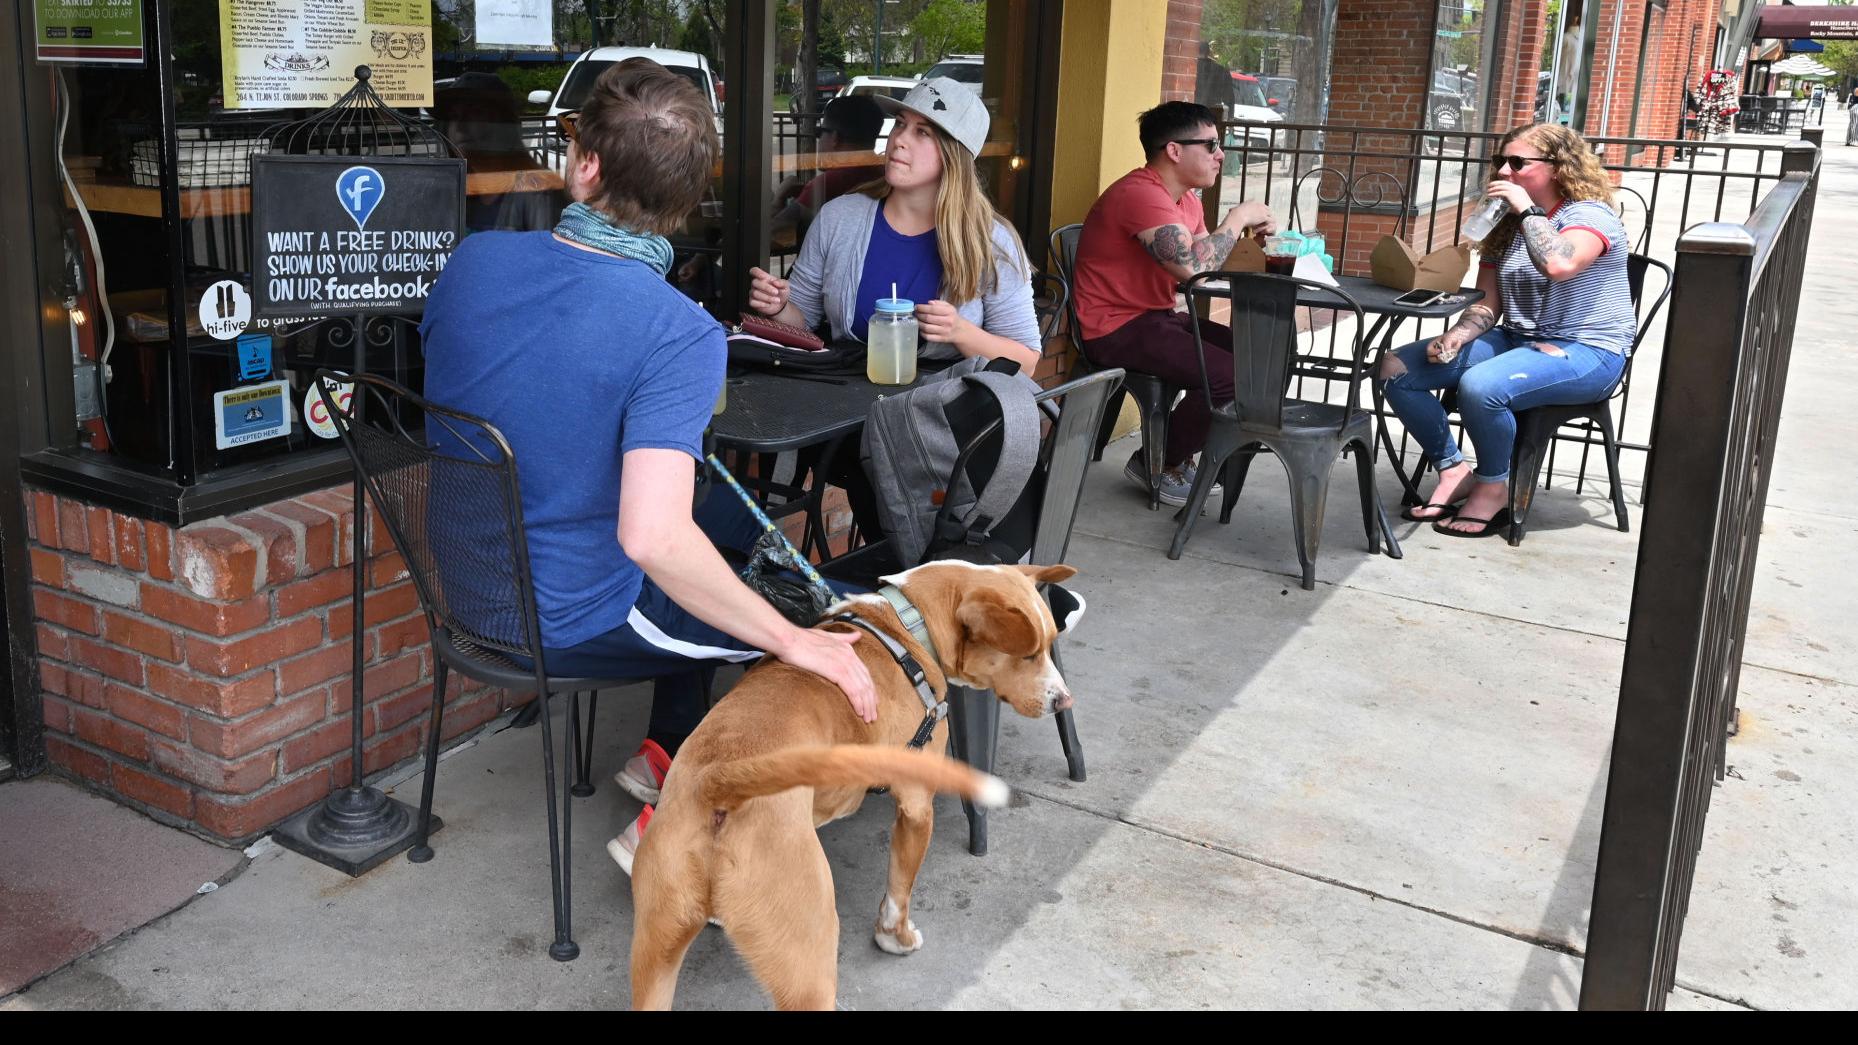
(956, 109)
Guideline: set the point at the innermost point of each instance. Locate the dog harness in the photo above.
(933, 710)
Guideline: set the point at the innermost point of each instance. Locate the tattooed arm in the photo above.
(1558, 255)
(1185, 255)
(1475, 321)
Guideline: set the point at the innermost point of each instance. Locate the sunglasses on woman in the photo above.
(1516, 163)
(566, 125)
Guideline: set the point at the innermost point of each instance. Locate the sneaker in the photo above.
(643, 775)
(1175, 484)
(623, 848)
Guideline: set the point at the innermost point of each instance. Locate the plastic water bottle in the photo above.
(1485, 218)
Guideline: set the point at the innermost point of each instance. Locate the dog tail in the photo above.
(729, 784)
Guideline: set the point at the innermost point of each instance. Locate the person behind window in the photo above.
(847, 158)
(605, 408)
(1554, 325)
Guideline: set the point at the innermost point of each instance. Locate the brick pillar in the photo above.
(1528, 24)
(1180, 66)
(1394, 39)
(202, 674)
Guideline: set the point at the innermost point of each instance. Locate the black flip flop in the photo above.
(1495, 524)
(1446, 511)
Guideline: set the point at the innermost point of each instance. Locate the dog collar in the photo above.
(911, 617)
(934, 710)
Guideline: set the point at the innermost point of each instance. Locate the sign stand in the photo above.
(356, 827)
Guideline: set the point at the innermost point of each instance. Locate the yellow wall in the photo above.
(1109, 72)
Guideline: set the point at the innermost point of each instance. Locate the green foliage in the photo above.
(951, 27)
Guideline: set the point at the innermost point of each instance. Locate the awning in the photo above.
(1803, 23)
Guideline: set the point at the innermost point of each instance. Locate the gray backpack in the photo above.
(909, 449)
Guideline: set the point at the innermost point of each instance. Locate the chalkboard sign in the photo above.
(351, 235)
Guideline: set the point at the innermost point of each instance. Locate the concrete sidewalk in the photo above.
(1385, 793)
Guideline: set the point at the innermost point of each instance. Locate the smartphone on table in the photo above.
(1419, 298)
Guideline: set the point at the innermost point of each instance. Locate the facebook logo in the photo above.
(360, 190)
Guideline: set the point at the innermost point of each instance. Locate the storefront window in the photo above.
(1463, 71)
(106, 288)
(830, 136)
(149, 164)
(1267, 62)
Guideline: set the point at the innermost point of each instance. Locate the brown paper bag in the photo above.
(1246, 256)
(1396, 264)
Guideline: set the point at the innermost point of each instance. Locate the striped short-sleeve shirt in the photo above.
(1595, 307)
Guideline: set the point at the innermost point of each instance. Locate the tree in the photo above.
(951, 27)
(1841, 56)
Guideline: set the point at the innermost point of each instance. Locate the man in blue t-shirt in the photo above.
(602, 377)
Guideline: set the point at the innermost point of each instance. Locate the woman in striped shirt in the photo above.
(1554, 326)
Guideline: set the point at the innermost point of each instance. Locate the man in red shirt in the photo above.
(1143, 237)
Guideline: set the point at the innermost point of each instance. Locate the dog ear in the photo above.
(1067, 606)
(1048, 574)
(991, 620)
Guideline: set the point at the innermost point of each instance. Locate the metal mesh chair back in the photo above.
(452, 504)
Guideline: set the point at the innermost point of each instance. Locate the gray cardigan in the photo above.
(824, 280)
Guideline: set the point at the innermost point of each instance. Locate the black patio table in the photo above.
(767, 413)
(1381, 303)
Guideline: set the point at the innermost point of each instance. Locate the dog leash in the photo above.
(934, 710)
(767, 525)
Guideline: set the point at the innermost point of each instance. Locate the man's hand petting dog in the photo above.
(829, 655)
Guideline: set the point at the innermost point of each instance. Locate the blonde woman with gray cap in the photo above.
(927, 228)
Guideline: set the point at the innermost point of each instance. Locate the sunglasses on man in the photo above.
(1212, 144)
(567, 127)
(1516, 163)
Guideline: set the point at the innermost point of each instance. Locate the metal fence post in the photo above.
(1652, 743)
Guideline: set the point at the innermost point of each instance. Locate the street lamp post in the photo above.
(877, 38)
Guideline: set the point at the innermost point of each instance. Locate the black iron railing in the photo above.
(1733, 310)
(1358, 183)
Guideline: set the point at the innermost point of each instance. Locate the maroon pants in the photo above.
(1162, 344)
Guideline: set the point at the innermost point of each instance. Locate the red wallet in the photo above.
(780, 333)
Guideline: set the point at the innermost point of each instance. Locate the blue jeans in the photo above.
(1496, 375)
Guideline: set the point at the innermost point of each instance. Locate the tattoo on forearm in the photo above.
(1210, 250)
(1545, 244)
(1475, 321)
(1172, 246)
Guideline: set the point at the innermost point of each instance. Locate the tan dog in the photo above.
(734, 835)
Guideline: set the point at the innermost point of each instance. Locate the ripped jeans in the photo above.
(1496, 375)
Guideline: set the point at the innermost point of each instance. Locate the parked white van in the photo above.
(587, 68)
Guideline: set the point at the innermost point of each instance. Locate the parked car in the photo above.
(1280, 93)
(878, 86)
(1462, 83)
(588, 67)
(966, 69)
(1250, 103)
(881, 86)
(894, 86)
(828, 80)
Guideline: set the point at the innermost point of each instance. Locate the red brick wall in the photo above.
(202, 674)
(1670, 62)
(1527, 24)
(1180, 62)
(1393, 38)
